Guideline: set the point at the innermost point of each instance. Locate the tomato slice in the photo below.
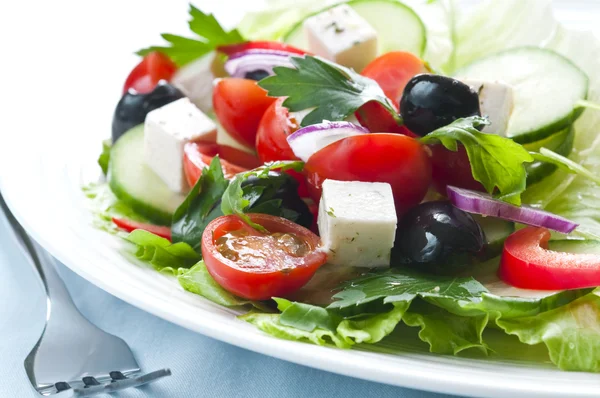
(240, 104)
(527, 263)
(145, 76)
(259, 266)
(396, 159)
(259, 45)
(274, 128)
(198, 155)
(452, 168)
(391, 71)
(377, 119)
(129, 225)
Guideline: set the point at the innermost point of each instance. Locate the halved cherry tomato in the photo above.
(259, 45)
(274, 128)
(391, 71)
(452, 168)
(399, 160)
(527, 263)
(129, 225)
(258, 266)
(377, 119)
(271, 140)
(145, 76)
(198, 155)
(239, 105)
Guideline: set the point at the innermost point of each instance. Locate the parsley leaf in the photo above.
(237, 200)
(495, 161)
(565, 164)
(399, 285)
(211, 35)
(200, 207)
(334, 91)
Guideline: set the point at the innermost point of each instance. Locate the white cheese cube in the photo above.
(166, 131)
(195, 80)
(341, 35)
(496, 101)
(357, 223)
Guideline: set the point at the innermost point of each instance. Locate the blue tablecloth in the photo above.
(201, 366)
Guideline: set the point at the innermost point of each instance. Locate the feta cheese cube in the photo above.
(166, 131)
(357, 223)
(496, 100)
(341, 35)
(195, 80)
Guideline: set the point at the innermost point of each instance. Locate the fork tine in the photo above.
(121, 382)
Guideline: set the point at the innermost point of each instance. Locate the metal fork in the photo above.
(73, 358)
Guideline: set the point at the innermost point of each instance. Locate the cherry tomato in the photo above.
(396, 159)
(145, 76)
(527, 263)
(271, 140)
(391, 71)
(129, 225)
(377, 119)
(259, 45)
(198, 155)
(452, 168)
(239, 105)
(274, 128)
(258, 266)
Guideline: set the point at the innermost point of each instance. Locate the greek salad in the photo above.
(343, 170)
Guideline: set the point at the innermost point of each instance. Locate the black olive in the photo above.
(437, 237)
(285, 188)
(433, 101)
(257, 75)
(133, 107)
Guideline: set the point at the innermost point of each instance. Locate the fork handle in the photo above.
(56, 291)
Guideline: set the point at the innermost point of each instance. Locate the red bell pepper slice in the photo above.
(129, 225)
(527, 263)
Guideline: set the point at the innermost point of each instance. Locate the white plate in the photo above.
(51, 138)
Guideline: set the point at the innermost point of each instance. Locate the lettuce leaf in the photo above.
(197, 280)
(163, 255)
(513, 23)
(570, 333)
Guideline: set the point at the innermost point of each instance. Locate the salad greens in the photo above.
(200, 207)
(161, 253)
(335, 92)
(211, 34)
(495, 161)
(261, 196)
(104, 157)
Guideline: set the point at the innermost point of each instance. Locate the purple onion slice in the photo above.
(253, 60)
(311, 139)
(482, 203)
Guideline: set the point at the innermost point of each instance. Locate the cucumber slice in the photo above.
(135, 184)
(496, 231)
(547, 89)
(575, 246)
(561, 143)
(385, 16)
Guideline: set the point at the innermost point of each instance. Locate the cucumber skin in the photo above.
(298, 25)
(554, 127)
(158, 217)
(153, 214)
(537, 171)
